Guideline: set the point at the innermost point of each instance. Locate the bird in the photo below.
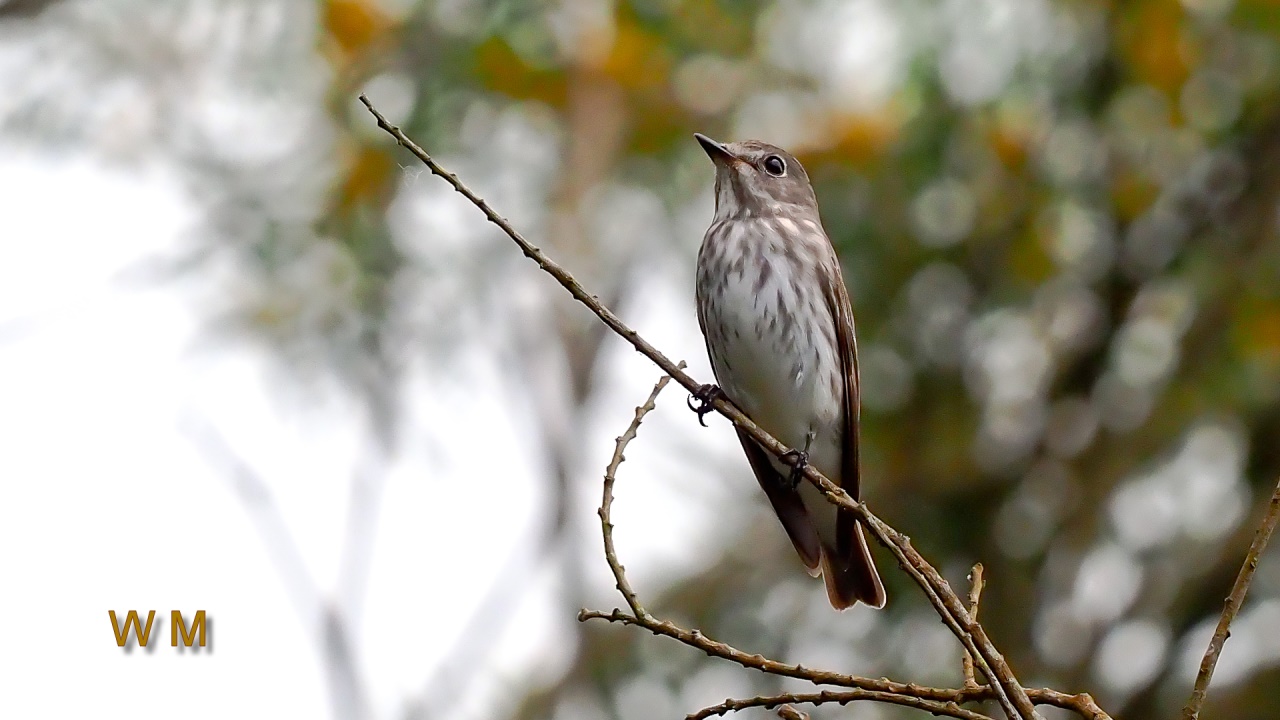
(779, 330)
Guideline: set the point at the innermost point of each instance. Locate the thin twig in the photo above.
(1082, 704)
(975, 595)
(1201, 688)
(948, 709)
(606, 503)
(1008, 691)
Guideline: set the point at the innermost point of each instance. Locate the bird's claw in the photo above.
(705, 397)
(798, 460)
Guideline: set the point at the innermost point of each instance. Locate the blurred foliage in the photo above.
(1058, 220)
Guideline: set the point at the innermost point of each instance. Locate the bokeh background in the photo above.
(254, 360)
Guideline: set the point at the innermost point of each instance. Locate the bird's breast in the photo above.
(769, 332)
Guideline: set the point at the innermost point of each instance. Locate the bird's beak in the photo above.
(718, 153)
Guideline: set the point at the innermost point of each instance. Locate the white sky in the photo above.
(106, 503)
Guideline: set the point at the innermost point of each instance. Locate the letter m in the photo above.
(177, 624)
(132, 624)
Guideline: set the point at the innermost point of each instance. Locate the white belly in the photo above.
(774, 359)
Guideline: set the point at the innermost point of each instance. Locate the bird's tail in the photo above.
(853, 578)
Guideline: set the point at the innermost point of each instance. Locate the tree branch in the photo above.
(975, 595)
(1082, 704)
(938, 701)
(948, 709)
(1238, 590)
(641, 617)
(347, 691)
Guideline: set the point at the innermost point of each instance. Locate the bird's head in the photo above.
(758, 179)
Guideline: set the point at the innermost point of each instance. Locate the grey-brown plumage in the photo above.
(776, 316)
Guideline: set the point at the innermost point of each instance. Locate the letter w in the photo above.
(131, 621)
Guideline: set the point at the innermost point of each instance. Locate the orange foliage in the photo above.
(501, 70)
(638, 59)
(1009, 146)
(1257, 328)
(1132, 194)
(1150, 39)
(354, 24)
(368, 180)
(863, 139)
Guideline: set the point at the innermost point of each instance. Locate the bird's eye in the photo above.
(775, 166)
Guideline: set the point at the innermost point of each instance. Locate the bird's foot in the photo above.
(798, 460)
(705, 397)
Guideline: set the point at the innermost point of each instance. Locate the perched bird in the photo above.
(776, 317)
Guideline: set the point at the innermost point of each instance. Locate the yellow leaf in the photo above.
(638, 59)
(1150, 38)
(368, 179)
(500, 69)
(354, 24)
(1257, 326)
(1132, 194)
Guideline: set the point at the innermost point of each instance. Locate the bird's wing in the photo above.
(853, 575)
(837, 299)
(786, 503)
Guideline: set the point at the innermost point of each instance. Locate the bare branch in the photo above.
(1082, 704)
(606, 503)
(1008, 691)
(1238, 590)
(975, 594)
(712, 647)
(254, 494)
(948, 709)
(347, 691)
(24, 9)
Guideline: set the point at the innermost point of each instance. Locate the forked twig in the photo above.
(1006, 689)
(888, 692)
(938, 701)
(1232, 606)
(1010, 694)
(606, 503)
